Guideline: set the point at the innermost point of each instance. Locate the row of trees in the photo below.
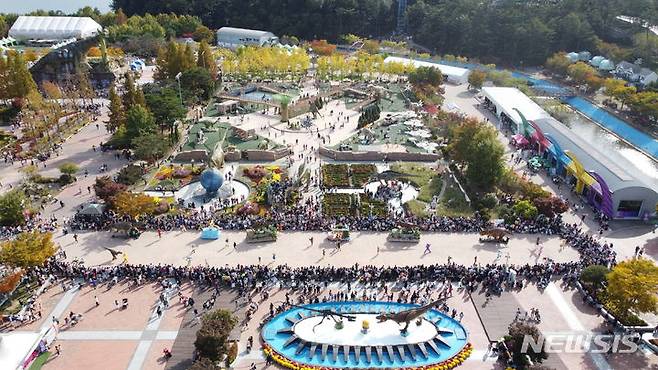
(307, 19)
(512, 31)
(361, 65)
(197, 69)
(270, 62)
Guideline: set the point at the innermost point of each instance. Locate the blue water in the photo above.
(456, 342)
(614, 124)
(259, 95)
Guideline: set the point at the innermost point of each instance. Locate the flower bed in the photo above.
(361, 173)
(336, 205)
(335, 176)
(448, 364)
(367, 205)
(174, 177)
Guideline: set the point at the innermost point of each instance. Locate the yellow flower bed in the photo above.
(456, 360)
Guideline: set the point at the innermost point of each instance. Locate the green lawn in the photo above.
(220, 130)
(428, 181)
(417, 208)
(453, 202)
(40, 361)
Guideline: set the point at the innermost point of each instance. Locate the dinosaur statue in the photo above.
(498, 235)
(325, 313)
(409, 315)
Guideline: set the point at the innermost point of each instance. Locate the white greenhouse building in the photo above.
(53, 28)
(455, 75)
(232, 38)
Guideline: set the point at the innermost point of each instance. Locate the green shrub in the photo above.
(130, 175)
(525, 210)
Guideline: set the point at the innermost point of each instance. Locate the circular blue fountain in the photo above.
(303, 336)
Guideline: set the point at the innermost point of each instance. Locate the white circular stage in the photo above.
(379, 334)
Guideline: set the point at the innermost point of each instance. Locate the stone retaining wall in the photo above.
(265, 155)
(377, 156)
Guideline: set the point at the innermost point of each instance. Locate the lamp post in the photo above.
(180, 94)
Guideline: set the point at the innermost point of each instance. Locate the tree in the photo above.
(29, 249)
(133, 204)
(595, 275)
(580, 72)
(12, 205)
(197, 83)
(633, 288)
(206, 59)
(476, 146)
(518, 333)
(69, 168)
(19, 82)
(9, 282)
(525, 209)
(203, 34)
(132, 95)
(174, 59)
(371, 46)
(121, 17)
(617, 89)
(166, 108)
(322, 47)
(550, 206)
(644, 105)
(150, 147)
(426, 76)
(485, 162)
(203, 364)
(117, 117)
(139, 121)
(130, 174)
(213, 334)
(476, 78)
(558, 63)
(51, 90)
(106, 189)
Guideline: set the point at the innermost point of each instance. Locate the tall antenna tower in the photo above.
(401, 21)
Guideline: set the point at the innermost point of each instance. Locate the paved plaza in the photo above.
(134, 337)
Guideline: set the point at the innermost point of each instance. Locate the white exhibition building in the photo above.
(454, 75)
(28, 28)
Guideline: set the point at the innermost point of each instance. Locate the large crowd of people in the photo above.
(491, 276)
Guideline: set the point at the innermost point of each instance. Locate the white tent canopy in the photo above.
(455, 75)
(53, 28)
(506, 99)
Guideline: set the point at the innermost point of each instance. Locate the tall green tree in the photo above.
(12, 207)
(206, 59)
(132, 95)
(117, 116)
(139, 121)
(166, 107)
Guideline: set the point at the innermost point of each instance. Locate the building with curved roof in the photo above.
(53, 28)
(232, 38)
(619, 192)
(455, 75)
